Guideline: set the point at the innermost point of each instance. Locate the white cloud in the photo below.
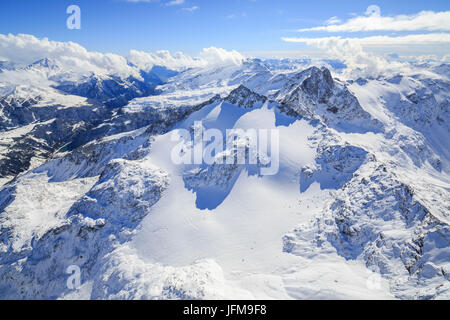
(141, 1)
(190, 9)
(333, 20)
(208, 57)
(421, 39)
(374, 21)
(219, 56)
(175, 3)
(359, 62)
(235, 16)
(362, 63)
(146, 60)
(25, 49)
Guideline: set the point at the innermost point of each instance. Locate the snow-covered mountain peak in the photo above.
(313, 93)
(244, 97)
(45, 63)
(255, 65)
(7, 65)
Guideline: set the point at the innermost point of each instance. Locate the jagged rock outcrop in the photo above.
(313, 93)
(377, 219)
(244, 97)
(109, 90)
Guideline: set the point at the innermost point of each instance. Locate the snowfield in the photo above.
(359, 208)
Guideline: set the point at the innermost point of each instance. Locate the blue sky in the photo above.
(244, 25)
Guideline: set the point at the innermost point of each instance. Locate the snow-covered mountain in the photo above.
(358, 208)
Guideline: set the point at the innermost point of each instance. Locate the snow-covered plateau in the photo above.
(358, 209)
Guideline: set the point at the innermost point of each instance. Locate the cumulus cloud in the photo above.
(26, 49)
(175, 3)
(141, 0)
(219, 56)
(190, 9)
(333, 20)
(168, 4)
(207, 58)
(359, 62)
(425, 39)
(374, 21)
(146, 60)
(433, 38)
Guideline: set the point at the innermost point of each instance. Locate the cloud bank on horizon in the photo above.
(425, 29)
(372, 21)
(26, 49)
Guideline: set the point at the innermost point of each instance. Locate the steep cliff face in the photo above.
(313, 93)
